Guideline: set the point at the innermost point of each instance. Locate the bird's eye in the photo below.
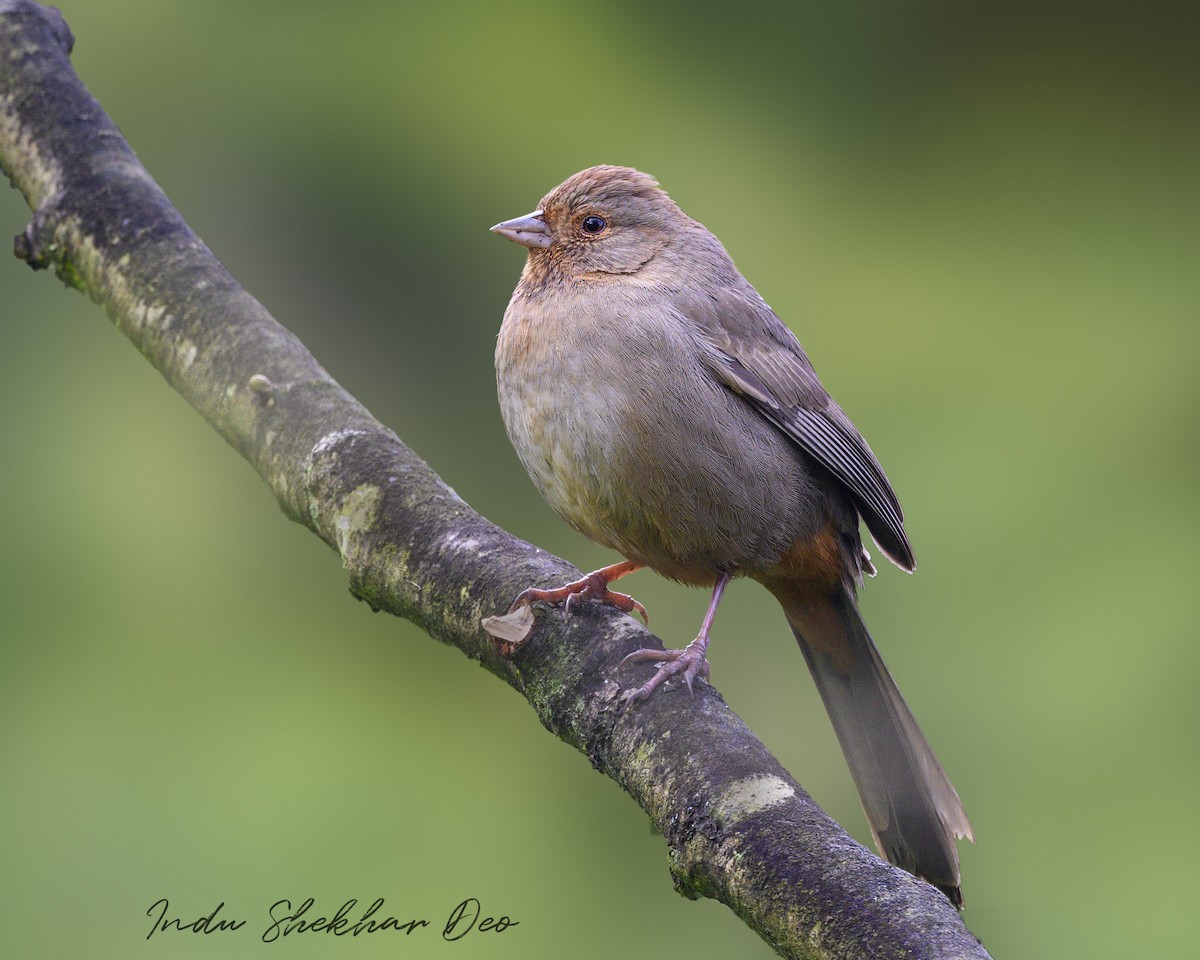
(593, 224)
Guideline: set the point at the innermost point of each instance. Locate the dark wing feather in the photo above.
(756, 355)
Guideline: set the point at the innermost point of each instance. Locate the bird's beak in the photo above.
(530, 230)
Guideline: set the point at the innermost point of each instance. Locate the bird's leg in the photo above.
(689, 661)
(594, 586)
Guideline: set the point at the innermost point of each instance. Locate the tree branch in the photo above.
(737, 826)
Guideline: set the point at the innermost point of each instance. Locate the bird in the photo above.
(664, 411)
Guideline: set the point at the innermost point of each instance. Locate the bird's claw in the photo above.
(592, 587)
(690, 661)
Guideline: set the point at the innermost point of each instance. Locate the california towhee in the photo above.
(664, 410)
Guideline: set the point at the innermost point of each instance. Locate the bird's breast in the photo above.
(629, 437)
(561, 406)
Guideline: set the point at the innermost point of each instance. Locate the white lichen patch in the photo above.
(157, 316)
(750, 795)
(185, 353)
(356, 515)
(322, 450)
(452, 541)
(32, 174)
(322, 447)
(143, 314)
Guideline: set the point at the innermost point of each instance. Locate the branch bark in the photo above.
(737, 826)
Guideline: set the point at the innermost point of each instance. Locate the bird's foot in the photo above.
(594, 586)
(691, 661)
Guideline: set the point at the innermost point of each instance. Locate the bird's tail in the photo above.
(912, 808)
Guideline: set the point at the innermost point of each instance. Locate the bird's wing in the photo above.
(756, 355)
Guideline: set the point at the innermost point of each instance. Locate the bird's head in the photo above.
(603, 220)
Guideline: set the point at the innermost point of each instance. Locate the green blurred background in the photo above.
(980, 219)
